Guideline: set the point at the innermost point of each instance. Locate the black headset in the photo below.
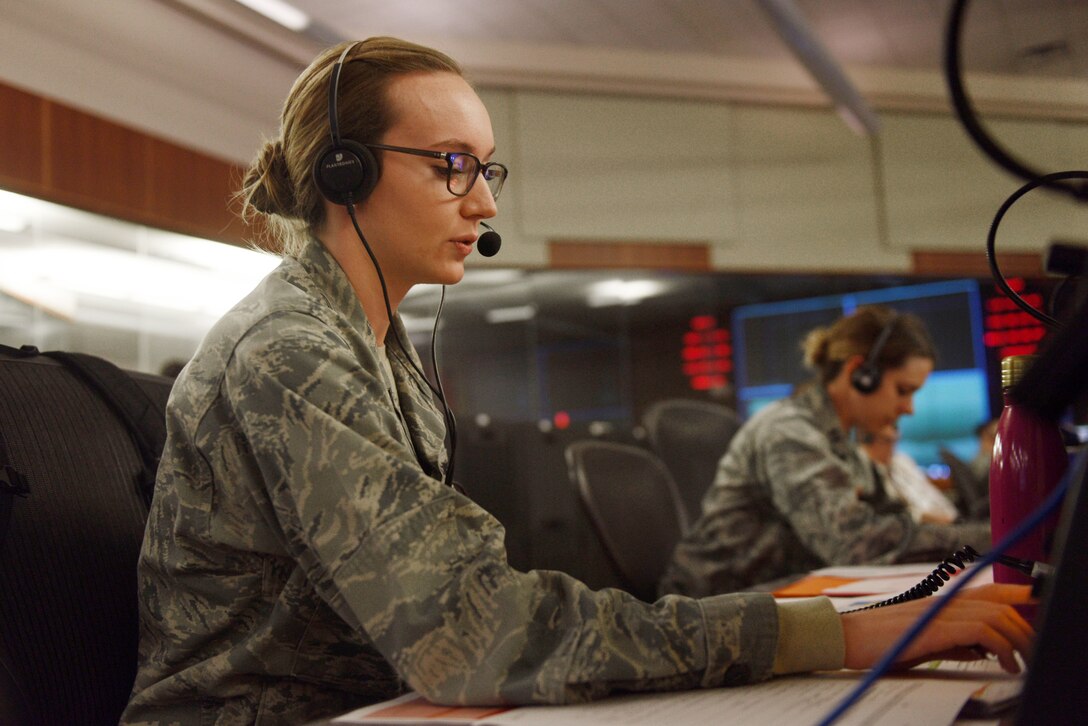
(346, 172)
(866, 377)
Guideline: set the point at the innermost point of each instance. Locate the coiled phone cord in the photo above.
(944, 572)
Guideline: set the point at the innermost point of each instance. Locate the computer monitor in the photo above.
(767, 358)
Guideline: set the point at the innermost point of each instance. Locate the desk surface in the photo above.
(932, 693)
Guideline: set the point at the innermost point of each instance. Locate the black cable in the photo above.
(969, 118)
(991, 255)
(947, 568)
(451, 423)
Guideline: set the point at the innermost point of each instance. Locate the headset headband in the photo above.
(334, 86)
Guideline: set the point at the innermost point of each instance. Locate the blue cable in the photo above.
(1025, 526)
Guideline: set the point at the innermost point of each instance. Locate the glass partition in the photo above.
(137, 296)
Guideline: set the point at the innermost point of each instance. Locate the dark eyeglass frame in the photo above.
(448, 157)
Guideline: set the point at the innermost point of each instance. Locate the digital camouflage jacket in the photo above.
(792, 494)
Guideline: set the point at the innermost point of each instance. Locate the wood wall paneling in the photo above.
(975, 264)
(97, 164)
(21, 137)
(71, 157)
(193, 190)
(570, 254)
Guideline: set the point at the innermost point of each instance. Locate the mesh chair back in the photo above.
(634, 507)
(68, 606)
(690, 437)
(972, 495)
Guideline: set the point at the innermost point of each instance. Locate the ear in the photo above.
(840, 385)
(850, 365)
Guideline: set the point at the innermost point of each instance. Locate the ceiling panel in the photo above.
(212, 73)
(1051, 34)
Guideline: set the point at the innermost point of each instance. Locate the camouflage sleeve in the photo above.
(937, 541)
(819, 495)
(421, 571)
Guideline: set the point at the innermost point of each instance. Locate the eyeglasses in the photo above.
(461, 169)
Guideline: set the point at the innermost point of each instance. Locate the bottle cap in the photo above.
(1014, 367)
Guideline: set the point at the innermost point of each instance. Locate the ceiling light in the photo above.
(622, 292)
(85, 276)
(417, 324)
(12, 213)
(512, 314)
(278, 11)
(12, 222)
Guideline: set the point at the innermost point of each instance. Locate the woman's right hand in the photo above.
(978, 622)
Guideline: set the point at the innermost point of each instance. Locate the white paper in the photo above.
(900, 584)
(903, 700)
(995, 685)
(793, 700)
(859, 571)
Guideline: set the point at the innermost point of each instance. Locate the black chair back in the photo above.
(68, 605)
(632, 503)
(972, 495)
(690, 437)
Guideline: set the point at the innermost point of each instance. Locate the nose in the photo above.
(479, 202)
(907, 407)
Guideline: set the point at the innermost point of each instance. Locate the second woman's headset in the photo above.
(866, 377)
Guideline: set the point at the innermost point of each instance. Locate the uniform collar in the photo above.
(815, 398)
(333, 285)
(426, 424)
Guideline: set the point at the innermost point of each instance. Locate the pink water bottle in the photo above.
(1029, 459)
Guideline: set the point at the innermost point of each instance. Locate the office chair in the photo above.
(690, 437)
(972, 495)
(633, 505)
(69, 543)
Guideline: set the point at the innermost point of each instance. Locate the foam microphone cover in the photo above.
(488, 243)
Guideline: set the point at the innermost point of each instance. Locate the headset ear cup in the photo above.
(346, 173)
(866, 378)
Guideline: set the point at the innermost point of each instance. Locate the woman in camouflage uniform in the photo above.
(303, 555)
(793, 494)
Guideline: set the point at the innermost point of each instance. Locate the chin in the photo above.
(451, 275)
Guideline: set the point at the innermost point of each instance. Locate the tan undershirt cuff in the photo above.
(809, 636)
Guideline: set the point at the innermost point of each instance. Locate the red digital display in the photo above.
(1008, 329)
(706, 356)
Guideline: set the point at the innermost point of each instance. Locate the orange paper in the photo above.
(419, 709)
(811, 586)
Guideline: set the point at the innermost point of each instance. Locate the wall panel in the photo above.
(943, 192)
(806, 192)
(196, 188)
(21, 137)
(93, 163)
(761, 187)
(66, 155)
(624, 168)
